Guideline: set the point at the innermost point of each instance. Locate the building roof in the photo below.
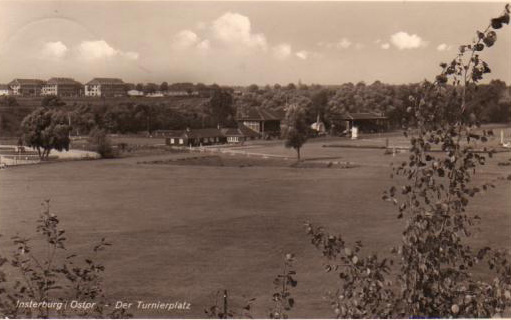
(259, 114)
(247, 132)
(241, 131)
(4, 87)
(106, 81)
(362, 116)
(62, 81)
(203, 133)
(27, 82)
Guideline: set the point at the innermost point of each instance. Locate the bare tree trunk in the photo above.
(46, 153)
(298, 153)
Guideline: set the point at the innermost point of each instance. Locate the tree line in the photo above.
(488, 102)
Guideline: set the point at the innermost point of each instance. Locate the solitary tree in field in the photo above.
(164, 86)
(297, 128)
(46, 129)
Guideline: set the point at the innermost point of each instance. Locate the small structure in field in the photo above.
(319, 127)
(364, 122)
(135, 93)
(264, 122)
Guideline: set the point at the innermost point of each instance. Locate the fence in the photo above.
(18, 160)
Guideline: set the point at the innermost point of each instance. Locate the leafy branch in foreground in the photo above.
(283, 302)
(53, 278)
(435, 275)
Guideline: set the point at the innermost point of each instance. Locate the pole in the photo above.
(225, 305)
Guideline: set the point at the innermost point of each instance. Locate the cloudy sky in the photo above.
(242, 42)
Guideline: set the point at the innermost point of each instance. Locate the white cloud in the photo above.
(385, 46)
(236, 29)
(54, 49)
(96, 49)
(443, 47)
(403, 40)
(185, 39)
(100, 49)
(344, 43)
(302, 54)
(282, 51)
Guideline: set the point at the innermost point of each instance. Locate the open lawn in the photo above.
(183, 232)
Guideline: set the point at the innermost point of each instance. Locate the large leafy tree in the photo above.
(220, 108)
(46, 129)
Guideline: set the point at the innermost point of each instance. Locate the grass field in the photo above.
(182, 232)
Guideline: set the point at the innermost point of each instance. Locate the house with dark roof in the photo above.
(365, 122)
(193, 137)
(62, 87)
(105, 87)
(26, 87)
(206, 136)
(264, 122)
(5, 90)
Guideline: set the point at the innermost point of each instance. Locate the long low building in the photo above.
(207, 136)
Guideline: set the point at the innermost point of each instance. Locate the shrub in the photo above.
(99, 142)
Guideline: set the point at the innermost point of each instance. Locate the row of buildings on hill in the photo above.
(65, 87)
(97, 87)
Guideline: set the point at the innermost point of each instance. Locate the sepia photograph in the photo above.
(255, 159)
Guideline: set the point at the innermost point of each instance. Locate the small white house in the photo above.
(157, 94)
(135, 93)
(4, 90)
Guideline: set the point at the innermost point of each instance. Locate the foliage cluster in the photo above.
(46, 129)
(436, 274)
(136, 117)
(282, 299)
(98, 141)
(490, 103)
(296, 128)
(52, 275)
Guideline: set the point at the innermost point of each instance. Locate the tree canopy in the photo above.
(46, 129)
(296, 131)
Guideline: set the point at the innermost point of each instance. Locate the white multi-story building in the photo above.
(63, 87)
(105, 87)
(26, 87)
